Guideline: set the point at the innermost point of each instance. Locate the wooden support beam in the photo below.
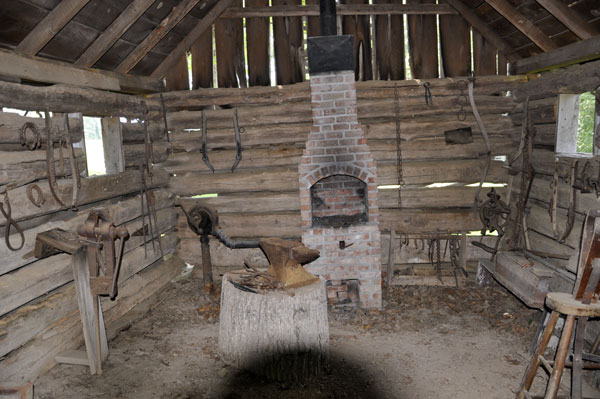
(523, 24)
(569, 18)
(49, 71)
(585, 50)
(118, 27)
(157, 34)
(50, 26)
(483, 28)
(187, 42)
(342, 9)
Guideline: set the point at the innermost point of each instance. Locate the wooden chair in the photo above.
(577, 307)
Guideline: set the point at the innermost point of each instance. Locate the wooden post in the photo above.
(112, 141)
(85, 300)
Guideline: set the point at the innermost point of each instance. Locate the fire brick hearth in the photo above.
(338, 189)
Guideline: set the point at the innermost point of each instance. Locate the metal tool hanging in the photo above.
(99, 234)
(7, 212)
(147, 141)
(73, 163)
(428, 96)
(37, 137)
(50, 161)
(238, 142)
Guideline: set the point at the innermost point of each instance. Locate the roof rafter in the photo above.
(187, 42)
(50, 26)
(477, 23)
(570, 18)
(116, 29)
(523, 24)
(165, 26)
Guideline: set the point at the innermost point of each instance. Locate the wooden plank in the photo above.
(313, 22)
(502, 64)
(63, 98)
(203, 25)
(73, 356)
(112, 143)
(422, 41)
(472, 18)
(429, 281)
(19, 167)
(585, 50)
(455, 45)
(570, 18)
(524, 24)
(11, 123)
(111, 34)
(312, 10)
(177, 77)
(50, 26)
(257, 31)
(287, 33)
(202, 60)
(484, 54)
(359, 27)
(389, 31)
(575, 79)
(229, 40)
(50, 71)
(161, 30)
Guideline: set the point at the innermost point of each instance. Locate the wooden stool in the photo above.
(580, 305)
(565, 304)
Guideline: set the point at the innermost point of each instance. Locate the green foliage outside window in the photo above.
(585, 128)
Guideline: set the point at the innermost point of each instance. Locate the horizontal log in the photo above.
(62, 98)
(134, 132)
(286, 179)
(574, 79)
(135, 154)
(382, 150)
(11, 123)
(92, 189)
(37, 355)
(416, 128)
(240, 97)
(538, 219)
(21, 167)
(301, 112)
(121, 212)
(44, 275)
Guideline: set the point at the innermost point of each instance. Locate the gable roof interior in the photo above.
(19, 17)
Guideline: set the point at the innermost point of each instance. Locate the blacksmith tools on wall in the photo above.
(238, 142)
(6, 210)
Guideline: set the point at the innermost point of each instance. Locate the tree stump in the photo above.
(282, 335)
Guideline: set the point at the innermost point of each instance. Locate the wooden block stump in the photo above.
(282, 335)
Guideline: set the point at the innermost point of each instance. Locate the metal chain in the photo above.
(462, 100)
(399, 166)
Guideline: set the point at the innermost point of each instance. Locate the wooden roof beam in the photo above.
(342, 9)
(187, 42)
(569, 18)
(469, 15)
(50, 26)
(161, 30)
(116, 29)
(523, 24)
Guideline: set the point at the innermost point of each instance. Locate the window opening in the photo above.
(576, 124)
(94, 147)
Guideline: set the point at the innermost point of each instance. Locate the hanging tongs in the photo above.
(238, 141)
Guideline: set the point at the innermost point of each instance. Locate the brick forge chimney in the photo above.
(339, 201)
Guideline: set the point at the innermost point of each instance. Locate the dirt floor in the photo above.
(427, 342)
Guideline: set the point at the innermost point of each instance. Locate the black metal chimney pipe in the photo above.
(328, 20)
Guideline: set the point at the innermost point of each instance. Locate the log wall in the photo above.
(39, 317)
(543, 91)
(260, 198)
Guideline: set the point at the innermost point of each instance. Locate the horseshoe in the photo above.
(40, 195)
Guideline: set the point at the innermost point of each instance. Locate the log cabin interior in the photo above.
(420, 177)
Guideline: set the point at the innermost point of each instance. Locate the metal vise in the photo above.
(99, 233)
